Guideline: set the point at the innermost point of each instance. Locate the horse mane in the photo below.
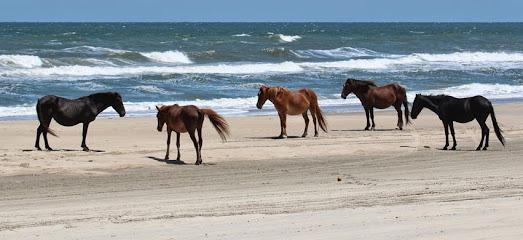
(105, 95)
(273, 91)
(361, 83)
(436, 99)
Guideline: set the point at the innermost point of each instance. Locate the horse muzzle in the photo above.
(259, 106)
(344, 97)
(159, 129)
(122, 114)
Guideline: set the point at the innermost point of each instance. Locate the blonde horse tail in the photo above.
(407, 113)
(40, 118)
(319, 114)
(218, 122)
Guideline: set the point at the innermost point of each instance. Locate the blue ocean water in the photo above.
(222, 65)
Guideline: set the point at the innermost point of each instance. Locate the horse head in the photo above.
(263, 95)
(347, 88)
(417, 106)
(161, 116)
(117, 104)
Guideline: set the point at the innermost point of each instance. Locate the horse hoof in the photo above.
(316, 135)
(444, 148)
(485, 148)
(304, 135)
(454, 148)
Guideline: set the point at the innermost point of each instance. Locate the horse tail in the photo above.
(407, 113)
(218, 122)
(497, 130)
(40, 118)
(319, 114)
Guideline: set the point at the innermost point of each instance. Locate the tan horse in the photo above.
(293, 103)
(189, 119)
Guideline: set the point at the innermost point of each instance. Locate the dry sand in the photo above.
(394, 184)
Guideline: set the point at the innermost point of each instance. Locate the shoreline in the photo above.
(268, 110)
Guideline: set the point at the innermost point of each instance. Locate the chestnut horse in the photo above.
(69, 112)
(293, 103)
(189, 119)
(372, 96)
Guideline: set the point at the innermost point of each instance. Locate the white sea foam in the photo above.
(151, 89)
(168, 57)
(491, 91)
(344, 52)
(429, 62)
(26, 61)
(242, 35)
(286, 38)
(86, 71)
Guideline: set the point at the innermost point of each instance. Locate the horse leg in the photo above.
(306, 118)
(178, 146)
(39, 130)
(283, 125)
(446, 127)
(451, 125)
(371, 111)
(169, 143)
(400, 117)
(84, 135)
(200, 139)
(195, 142)
(367, 115)
(484, 133)
(43, 130)
(314, 120)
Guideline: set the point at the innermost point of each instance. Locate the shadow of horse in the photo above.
(176, 162)
(262, 138)
(357, 130)
(64, 150)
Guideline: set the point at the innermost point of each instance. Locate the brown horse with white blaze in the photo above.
(372, 96)
(189, 119)
(293, 103)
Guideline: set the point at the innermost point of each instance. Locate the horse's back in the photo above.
(184, 118)
(299, 101)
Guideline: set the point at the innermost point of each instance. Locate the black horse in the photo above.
(462, 110)
(69, 112)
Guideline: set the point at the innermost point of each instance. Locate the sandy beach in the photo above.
(344, 184)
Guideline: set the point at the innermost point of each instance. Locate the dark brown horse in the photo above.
(372, 96)
(462, 110)
(293, 103)
(69, 112)
(189, 119)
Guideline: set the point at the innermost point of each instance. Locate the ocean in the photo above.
(222, 65)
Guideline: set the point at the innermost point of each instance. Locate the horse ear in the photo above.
(157, 108)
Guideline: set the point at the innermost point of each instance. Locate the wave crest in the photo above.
(286, 38)
(25, 61)
(168, 57)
